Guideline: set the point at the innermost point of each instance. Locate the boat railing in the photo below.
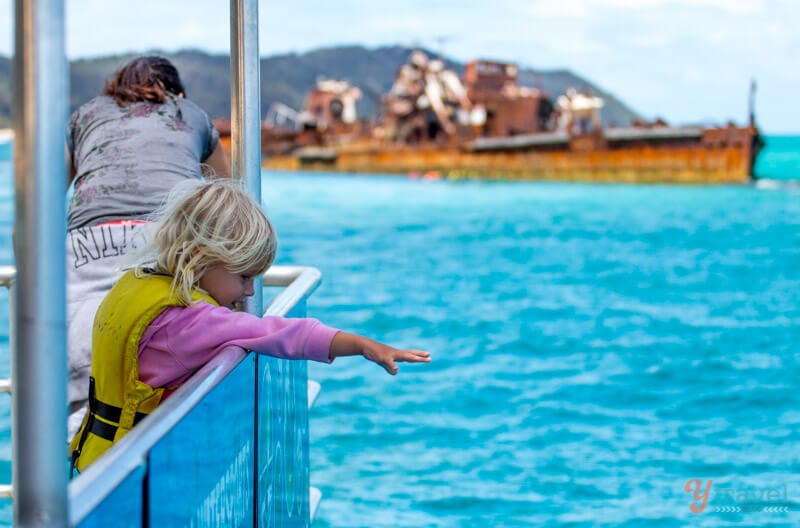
(188, 476)
(7, 274)
(230, 445)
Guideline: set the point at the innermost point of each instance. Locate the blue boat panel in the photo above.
(122, 507)
(201, 473)
(283, 469)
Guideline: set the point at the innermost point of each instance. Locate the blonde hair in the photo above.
(210, 223)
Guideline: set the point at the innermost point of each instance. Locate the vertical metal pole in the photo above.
(246, 157)
(39, 355)
(246, 109)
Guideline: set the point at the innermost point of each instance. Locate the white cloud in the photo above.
(740, 7)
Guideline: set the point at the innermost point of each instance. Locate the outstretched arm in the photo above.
(346, 344)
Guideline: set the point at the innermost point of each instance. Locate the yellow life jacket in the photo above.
(117, 398)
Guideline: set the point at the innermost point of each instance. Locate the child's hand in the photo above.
(385, 356)
(345, 344)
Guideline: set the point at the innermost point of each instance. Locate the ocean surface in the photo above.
(598, 349)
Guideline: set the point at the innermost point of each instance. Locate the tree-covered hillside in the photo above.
(287, 78)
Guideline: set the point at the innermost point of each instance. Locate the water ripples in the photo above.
(595, 348)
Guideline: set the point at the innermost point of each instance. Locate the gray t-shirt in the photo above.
(129, 159)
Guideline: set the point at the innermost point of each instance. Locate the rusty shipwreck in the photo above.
(485, 125)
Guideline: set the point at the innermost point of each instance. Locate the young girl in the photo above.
(159, 324)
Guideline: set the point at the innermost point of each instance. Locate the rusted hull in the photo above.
(715, 156)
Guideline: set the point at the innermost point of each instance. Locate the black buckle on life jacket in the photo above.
(89, 425)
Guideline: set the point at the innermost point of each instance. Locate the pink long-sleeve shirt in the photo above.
(183, 339)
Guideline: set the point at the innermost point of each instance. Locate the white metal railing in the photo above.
(7, 275)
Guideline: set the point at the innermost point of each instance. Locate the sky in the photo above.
(686, 61)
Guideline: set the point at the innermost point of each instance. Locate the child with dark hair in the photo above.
(151, 79)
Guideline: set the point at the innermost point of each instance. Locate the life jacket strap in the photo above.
(107, 431)
(111, 413)
(104, 430)
(85, 432)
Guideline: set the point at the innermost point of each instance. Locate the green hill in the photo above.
(287, 78)
(5, 92)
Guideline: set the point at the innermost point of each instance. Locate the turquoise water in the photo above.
(780, 158)
(596, 347)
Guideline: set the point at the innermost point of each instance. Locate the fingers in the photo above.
(413, 356)
(386, 356)
(390, 367)
(407, 356)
